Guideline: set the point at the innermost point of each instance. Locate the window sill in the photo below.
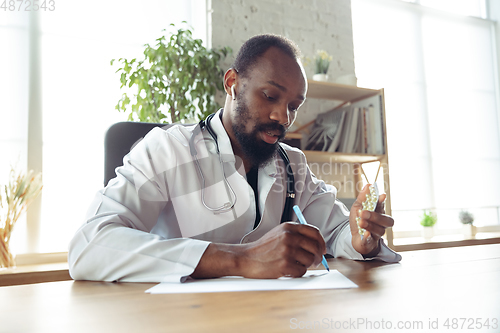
(36, 268)
(441, 241)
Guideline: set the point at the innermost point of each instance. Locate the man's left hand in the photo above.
(374, 223)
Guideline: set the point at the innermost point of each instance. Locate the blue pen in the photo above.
(302, 220)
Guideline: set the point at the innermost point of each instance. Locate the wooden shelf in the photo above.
(338, 92)
(357, 97)
(293, 135)
(326, 157)
(418, 243)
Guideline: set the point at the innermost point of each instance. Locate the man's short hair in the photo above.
(253, 48)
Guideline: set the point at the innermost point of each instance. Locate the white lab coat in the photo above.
(150, 225)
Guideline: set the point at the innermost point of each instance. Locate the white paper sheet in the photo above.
(313, 279)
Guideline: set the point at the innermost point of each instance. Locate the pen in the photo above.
(302, 220)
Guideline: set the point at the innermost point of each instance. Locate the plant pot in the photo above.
(320, 77)
(428, 233)
(469, 231)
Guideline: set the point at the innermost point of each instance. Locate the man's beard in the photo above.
(255, 149)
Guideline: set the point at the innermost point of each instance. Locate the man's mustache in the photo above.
(273, 127)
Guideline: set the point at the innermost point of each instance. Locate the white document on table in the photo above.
(313, 279)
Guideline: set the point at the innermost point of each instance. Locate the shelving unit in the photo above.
(345, 93)
(321, 156)
(338, 92)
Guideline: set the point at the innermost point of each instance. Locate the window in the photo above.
(438, 68)
(57, 64)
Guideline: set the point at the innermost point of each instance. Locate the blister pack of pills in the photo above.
(369, 204)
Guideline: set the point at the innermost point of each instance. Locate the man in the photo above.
(208, 202)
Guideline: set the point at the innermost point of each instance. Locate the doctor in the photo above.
(207, 200)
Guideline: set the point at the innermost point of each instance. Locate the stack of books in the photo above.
(356, 128)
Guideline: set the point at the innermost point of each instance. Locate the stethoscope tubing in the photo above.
(226, 207)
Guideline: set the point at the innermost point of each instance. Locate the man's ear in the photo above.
(230, 79)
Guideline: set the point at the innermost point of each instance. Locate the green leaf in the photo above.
(177, 77)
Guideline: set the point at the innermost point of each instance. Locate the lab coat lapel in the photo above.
(271, 200)
(266, 180)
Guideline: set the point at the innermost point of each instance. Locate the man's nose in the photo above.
(281, 115)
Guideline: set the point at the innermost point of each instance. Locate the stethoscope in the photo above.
(226, 207)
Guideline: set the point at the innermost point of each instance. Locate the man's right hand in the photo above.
(287, 250)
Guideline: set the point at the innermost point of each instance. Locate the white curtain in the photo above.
(79, 93)
(438, 70)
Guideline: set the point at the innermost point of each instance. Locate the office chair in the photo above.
(119, 139)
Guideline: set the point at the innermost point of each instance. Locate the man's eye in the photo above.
(271, 98)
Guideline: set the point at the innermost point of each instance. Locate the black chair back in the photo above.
(119, 139)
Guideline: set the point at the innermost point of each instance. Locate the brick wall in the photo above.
(312, 24)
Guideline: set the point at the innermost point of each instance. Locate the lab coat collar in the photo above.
(225, 148)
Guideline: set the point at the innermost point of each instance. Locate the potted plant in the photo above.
(467, 220)
(321, 62)
(18, 194)
(428, 221)
(177, 79)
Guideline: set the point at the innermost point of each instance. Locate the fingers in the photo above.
(286, 250)
(375, 222)
(381, 204)
(304, 242)
(292, 269)
(377, 218)
(312, 232)
(294, 259)
(374, 229)
(372, 223)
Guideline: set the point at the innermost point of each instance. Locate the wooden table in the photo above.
(426, 286)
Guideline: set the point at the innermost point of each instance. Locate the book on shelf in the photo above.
(379, 133)
(336, 139)
(357, 148)
(351, 133)
(356, 128)
(325, 133)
